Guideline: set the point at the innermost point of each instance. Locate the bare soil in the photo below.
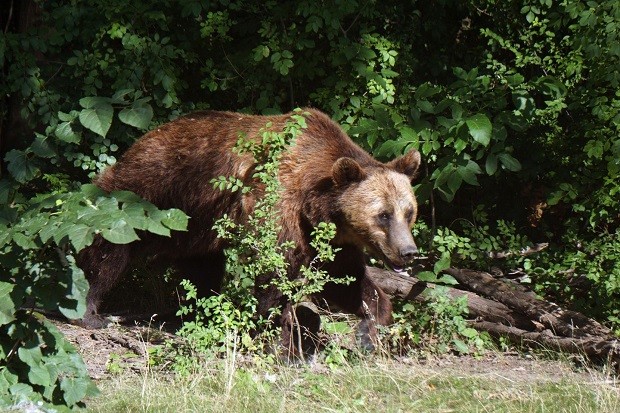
(124, 348)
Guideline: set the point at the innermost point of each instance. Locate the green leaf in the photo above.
(491, 164)
(455, 180)
(175, 219)
(48, 230)
(120, 233)
(408, 134)
(65, 133)
(7, 305)
(469, 332)
(442, 263)
(73, 306)
(509, 162)
(138, 115)
(41, 147)
(39, 375)
(21, 166)
(90, 102)
(460, 346)
(80, 236)
(24, 241)
(98, 118)
(425, 106)
(427, 276)
(337, 327)
(74, 389)
(469, 172)
(480, 128)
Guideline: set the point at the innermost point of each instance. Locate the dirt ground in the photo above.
(121, 348)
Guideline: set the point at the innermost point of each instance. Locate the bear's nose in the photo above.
(407, 253)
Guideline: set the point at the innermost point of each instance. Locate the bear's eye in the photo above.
(409, 215)
(384, 217)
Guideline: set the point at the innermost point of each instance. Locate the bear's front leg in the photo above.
(376, 309)
(364, 299)
(299, 324)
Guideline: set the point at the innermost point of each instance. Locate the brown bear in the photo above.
(325, 177)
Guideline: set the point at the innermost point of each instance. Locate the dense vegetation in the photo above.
(515, 106)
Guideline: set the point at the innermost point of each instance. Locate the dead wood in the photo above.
(600, 348)
(563, 322)
(410, 288)
(506, 309)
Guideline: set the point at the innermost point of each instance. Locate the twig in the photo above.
(9, 18)
(523, 253)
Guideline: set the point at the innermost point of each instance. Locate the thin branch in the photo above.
(9, 18)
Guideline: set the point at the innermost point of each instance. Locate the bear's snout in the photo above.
(408, 252)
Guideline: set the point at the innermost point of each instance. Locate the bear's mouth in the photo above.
(397, 268)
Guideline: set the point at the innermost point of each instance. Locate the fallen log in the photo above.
(501, 309)
(563, 322)
(410, 288)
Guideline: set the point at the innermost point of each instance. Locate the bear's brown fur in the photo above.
(325, 178)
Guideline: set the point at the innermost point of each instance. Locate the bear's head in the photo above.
(379, 207)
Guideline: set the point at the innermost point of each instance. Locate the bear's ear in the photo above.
(407, 164)
(346, 170)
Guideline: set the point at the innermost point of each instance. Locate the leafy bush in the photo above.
(437, 326)
(39, 240)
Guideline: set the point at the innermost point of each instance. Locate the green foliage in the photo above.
(218, 322)
(437, 326)
(585, 275)
(38, 243)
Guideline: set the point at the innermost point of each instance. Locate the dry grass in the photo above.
(371, 385)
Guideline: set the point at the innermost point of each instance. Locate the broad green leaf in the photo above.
(41, 147)
(74, 389)
(425, 106)
(176, 220)
(136, 216)
(92, 191)
(90, 102)
(48, 230)
(427, 276)
(66, 117)
(469, 332)
(442, 263)
(74, 304)
(491, 164)
(38, 374)
(24, 241)
(408, 134)
(447, 279)
(7, 305)
(65, 133)
(127, 196)
(480, 128)
(80, 236)
(157, 228)
(509, 162)
(120, 233)
(454, 181)
(469, 172)
(98, 118)
(138, 116)
(337, 327)
(21, 166)
(460, 346)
